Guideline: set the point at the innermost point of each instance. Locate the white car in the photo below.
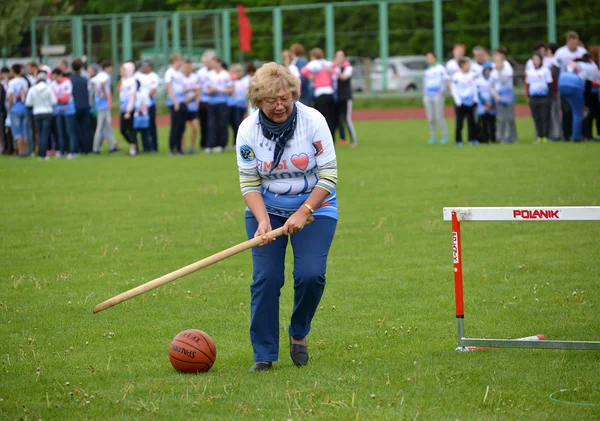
(405, 73)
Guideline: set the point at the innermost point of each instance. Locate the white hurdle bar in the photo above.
(519, 213)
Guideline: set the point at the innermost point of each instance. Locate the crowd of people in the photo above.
(66, 112)
(561, 87)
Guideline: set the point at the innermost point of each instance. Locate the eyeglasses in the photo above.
(274, 102)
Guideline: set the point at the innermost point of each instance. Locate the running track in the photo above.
(521, 110)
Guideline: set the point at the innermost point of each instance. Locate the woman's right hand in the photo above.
(263, 228)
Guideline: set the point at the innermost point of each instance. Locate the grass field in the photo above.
(74, 233)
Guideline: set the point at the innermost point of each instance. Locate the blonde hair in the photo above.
(317, 53)
(237, 69)
(268, 80)
(174, 57)
(286, 58)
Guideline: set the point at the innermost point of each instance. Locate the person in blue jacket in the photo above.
(571, 85)
(486, 107)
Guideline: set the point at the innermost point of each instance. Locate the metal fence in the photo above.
(362, 28)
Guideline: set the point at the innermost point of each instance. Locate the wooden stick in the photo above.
(201, 264)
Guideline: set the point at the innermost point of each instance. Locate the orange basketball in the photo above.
(192, 351)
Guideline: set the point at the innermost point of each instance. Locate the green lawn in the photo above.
(74, 233)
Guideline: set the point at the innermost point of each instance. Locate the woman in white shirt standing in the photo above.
(502, 89)
(42, 99)
(320, 72)
(538, 89)
(435, 79)
(219, 87)
(464, 92)
(127, 89)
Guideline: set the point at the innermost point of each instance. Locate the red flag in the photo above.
(244, 29)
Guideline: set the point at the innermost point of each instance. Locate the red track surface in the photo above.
(521, 110)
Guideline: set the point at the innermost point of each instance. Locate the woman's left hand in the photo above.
(296, 222)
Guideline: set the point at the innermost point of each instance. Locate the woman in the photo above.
(435, 79)
(592, 97)
(464, 92)
(486, 105)
(502, 89)
(237, 100)
(343, 71)
(141, 116)
(288, 172)
(127, 89)
(191, 86)
(175, 101)
(65, 114)
(320, 72)
(219, 87)
(42, 99)
(286, 61)
(538, 90)
(17, 111)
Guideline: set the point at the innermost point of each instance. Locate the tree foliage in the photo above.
(522, 23)
(15, 17)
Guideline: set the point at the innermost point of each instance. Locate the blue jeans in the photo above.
(43, 122)
(310, 247)
(575, 98)
(66, 128)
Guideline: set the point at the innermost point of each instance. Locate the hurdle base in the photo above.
(464, 343)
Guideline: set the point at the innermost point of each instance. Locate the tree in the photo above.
(16, 17)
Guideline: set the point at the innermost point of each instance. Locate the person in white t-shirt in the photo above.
(176, 103)
(464, 93)
(127, 91)
(150, 81)
(288, 173)
(191, 85)
(563, 57)
(480, 56)
(16, 94)
(219, 87)
(237, 99)
(321, 72)
(203, 108)
(502, 77)
(435, 79)
(593, 97)
(452, 67)
(538, 89)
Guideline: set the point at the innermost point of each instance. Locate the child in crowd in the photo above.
(237, 100)
(141, 117)
(191, 86)
(435, 79)
(65, 114)
(502, 89)
(127, 90)
(17, 110)
(486, 107)
(538, 89)
(464, 92)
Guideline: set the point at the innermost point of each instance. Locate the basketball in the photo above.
(192, 351)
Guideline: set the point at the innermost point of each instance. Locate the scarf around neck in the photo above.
(280, 133)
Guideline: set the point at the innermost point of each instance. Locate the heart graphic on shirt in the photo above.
(300, 161)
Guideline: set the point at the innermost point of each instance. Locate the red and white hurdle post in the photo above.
(524, 213)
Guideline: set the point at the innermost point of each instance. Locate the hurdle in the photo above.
(524, 213)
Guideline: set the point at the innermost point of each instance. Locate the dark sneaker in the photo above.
(260, 367)
(299, 354)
